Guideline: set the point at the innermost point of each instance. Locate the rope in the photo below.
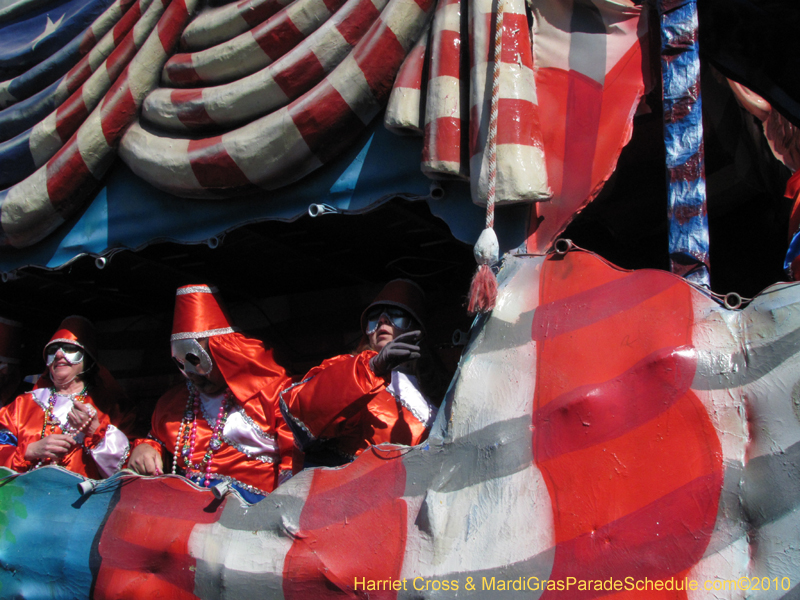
(491, 140)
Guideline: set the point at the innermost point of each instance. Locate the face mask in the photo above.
(396, 316)
(72, 354)
(191, 357)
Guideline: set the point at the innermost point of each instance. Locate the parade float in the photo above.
(624, 416)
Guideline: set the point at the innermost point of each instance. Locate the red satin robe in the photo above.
(255, 380)
(341, 408)
(24, 418)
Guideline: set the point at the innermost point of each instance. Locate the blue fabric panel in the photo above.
(7, 438)
(25, 114)
(32, 38)
(16, 160)
(34, 555)
(129, 213)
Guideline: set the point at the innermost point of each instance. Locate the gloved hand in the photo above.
(401, 349)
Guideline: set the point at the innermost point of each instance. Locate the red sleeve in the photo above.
(16, 420)
(331, 395)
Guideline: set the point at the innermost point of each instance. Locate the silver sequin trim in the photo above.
(196, 289)
(191, 474)
(212, 421)
(187, 335)
(432, 410)
(295, 420)
(151, 437)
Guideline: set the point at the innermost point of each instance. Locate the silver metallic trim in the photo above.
(212, 421)
(196, 289)
(187, 335)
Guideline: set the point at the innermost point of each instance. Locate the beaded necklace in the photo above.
(187, 435)
(49, 417)
(51, 420)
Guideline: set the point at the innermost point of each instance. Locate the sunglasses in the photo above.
(72, 354)
(396, 316)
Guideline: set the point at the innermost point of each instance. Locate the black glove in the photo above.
(401, 349)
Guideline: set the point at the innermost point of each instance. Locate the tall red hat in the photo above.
(199, 313)
(403, 293)
(78, 331)
(10, 341)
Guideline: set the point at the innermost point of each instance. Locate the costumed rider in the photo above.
(389, 391)
(10, 374)
(224, 423)
(66, 420)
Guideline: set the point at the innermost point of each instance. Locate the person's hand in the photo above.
(146, 460)
(51, 447)
(83, 417)
(401, 349)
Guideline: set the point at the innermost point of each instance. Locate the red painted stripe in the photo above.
(448, 59)
(70, 115)
(213, 166)
(258, 11)
(516, 47)
(87, 43)
(83, 70)
(333, 5)
(143, 546)
(563, 315)
(637, 479)
(442, 140)
(180, 70)
(660, 541)
(517, 122)
(325, 120)
(77, 76)
(191, 108)
(68, 178)
(298, 78)
(425, 5)
(595, 413)
(353, 27)
(281, 37)
(126, 23)
(584, 104)
(119, 111)
(410, 75)
(171, 25)
(380, 67)
(120, 57)
(353, 525)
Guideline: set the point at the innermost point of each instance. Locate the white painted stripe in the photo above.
(271, 148)
(237, 58)
(402, 113)
(45, 141)
(27, 215)
(93, 90)
(163, 161)
(443, 98)
(308, 16)
(348, 79)
(329, 47)
(488, 525)
(405, 18)
(94, 149)
(214, 26)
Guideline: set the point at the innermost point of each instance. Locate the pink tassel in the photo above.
(482, 291)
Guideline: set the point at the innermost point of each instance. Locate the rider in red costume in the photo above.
(71, 417)
(224, 423)
(380, 394)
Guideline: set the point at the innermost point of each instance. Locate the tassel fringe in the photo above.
(482, 291)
